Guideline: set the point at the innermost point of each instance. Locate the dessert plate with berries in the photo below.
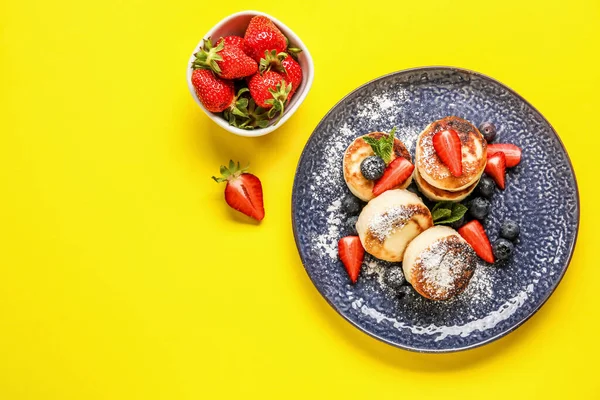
(435, 209)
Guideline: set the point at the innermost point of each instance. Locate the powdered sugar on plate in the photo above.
(380, 107)
(327, 242)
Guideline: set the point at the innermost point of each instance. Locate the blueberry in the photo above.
(394, 277)
(372, 167)
(486, 186)
(502, 249)
(488, 130)
(479, 208)
(509, 230)
(459, 223)
(352, 204)
(351, 225)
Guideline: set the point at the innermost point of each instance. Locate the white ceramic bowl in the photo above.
(236, 24)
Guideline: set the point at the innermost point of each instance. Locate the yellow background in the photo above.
(124, 275)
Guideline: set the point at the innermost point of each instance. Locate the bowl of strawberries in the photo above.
(250, 73)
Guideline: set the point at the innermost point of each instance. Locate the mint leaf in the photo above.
(385, 151)
(441, 213)
(384, 146)
(371, 141)
(442, 204)
(457, 212)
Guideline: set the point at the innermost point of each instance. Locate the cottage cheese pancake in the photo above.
(474, 155)
(439, 263)
(436, 194)
(390, 221)
(356, 153)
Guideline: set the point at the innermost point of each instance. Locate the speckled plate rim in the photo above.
(517, 324)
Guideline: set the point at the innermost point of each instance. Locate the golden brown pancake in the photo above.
(390, 221)
(474, 155)
(436, 194)
(356, 153)
(439, 263)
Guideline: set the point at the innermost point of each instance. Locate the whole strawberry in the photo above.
(262, 35)
(270, 91)
(236, 41)
(215, 93)
(284, 64)
(243, 191)
(227, 60)
(293, 73)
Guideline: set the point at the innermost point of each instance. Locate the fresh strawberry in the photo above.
(474, 234)
(293, 73)
(262, 35)
(285, 64)
(511, 152)
(270, 91)
(226, 60)
(351, 253)
(236, 41)
(215, 93)
(243, 191)
(448, 148)
(496, 168)
(396, 173)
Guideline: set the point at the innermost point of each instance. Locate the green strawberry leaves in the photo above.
(207, 56)
(384, 146)
(446, 212)
(233, 171)
(244, 113)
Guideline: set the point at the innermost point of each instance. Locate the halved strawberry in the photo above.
(351, 253)
(474, 234)
(511, 152)
(243, 191)
(448, 148)
(394, 175)
(496, 168)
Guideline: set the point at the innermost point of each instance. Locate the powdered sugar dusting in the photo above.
(428, 157)
(382, 225)
(374, 269)
(442, 266)
(381, 107)
(322, 188)
(328, 241)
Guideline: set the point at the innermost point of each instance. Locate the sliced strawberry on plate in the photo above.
(496, 168)
(448, 148)
(396, 173)
(351, 253)
(474, 234)
(243, 191)
(511, 152)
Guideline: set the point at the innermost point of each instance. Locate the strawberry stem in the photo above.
(272, 60)
(231, 172)
(207, 56)
(244, 114)
(280, 97)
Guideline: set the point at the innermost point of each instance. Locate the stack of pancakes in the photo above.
(433, 177)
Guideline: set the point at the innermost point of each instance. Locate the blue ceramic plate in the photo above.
(541, 195)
